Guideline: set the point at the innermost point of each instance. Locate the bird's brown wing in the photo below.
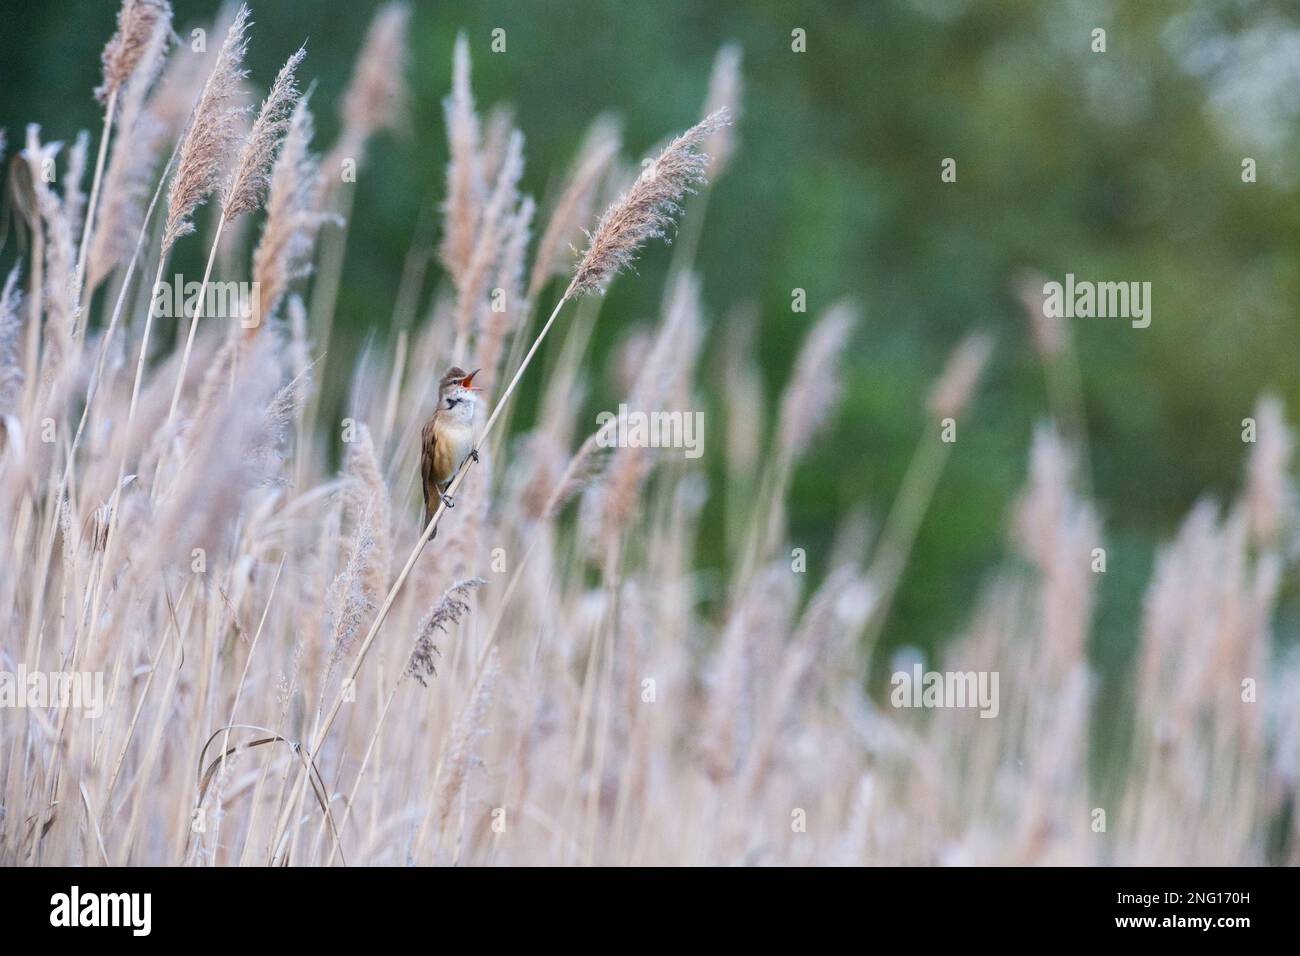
(428, 439)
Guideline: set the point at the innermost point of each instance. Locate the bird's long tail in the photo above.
(430, 507)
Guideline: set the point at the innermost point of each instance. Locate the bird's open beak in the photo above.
(467, 381)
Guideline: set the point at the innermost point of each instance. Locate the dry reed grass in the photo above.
(581, 702)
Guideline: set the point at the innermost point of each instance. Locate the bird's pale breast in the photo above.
(453, 444)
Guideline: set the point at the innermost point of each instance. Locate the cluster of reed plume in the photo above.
(264, 623)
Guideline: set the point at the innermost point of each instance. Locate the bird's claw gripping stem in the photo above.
(448, 501)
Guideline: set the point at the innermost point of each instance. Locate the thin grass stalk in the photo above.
(361, 771)
(904, 521)
(35, 303)
(194, 323)
(109, 108)
(239, 688)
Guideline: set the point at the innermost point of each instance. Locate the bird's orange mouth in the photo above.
(468, 380)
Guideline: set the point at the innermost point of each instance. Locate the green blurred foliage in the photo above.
(1123, 165)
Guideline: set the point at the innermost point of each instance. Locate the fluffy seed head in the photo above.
(465, 183)
(251, 177)
(74, 199)
(376, 99)
(647, 210)
(11, 325)
(135, 154)
(366, 494)
(953, 390)
(814, 386)
(450, 609)
(293, 217)
(459, 754)
(136, 23)
(213, 133)
(1048, 330)
(726, 86)
(1270, 496)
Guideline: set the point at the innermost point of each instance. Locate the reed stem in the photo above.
(194, 322)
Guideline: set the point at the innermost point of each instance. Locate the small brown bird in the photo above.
(448, 437)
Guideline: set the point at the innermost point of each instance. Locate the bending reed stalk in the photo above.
(88, 227)
(324, 728)
(194, 322)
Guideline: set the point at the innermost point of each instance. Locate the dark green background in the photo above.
(1111, 166)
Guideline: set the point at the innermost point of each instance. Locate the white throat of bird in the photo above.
(459, 405)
